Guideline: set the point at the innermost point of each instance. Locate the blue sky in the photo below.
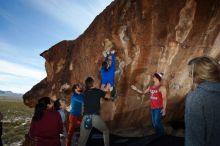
(28, 27)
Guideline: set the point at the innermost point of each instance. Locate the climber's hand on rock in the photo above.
(113, 52)
(133, 87)
(104, 53)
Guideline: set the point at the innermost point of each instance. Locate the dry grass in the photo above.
(16, 120)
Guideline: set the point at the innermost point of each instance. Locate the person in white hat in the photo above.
(157, 102)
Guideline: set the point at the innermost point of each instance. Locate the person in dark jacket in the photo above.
(202, 111)
(46, 125)
(91, 115)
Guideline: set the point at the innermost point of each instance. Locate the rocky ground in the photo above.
(167, 140)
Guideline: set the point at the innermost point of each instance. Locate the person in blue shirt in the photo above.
(75, 116)
(108, 72)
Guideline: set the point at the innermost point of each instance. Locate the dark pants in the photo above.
(99, 124)
(156, 121)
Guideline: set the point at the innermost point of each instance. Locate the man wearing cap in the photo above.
(157, 102)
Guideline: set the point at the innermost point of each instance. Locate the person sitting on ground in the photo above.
(75, 116)
(91, 116)
(157, 102)
(108, 72)
(46, 125)
(60, 106)
(202, 108)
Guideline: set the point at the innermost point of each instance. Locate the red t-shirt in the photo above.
(156, 100)
(47, 130)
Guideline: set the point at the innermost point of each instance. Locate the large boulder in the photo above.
(148, 36)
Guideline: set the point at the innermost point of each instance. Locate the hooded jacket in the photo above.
(202, 115)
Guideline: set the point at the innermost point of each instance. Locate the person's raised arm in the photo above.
(106, 56)
(113, 59)
(147, 90)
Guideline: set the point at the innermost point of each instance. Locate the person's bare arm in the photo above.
(136, 89)
(139, 91)
(147, 90)
(164, 97)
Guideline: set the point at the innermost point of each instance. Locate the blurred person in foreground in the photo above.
(46, 125)
(202, 111)
(1, 129)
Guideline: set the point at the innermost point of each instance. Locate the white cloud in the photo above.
(20, 55)
(18, 78)
(17, 72)
(15, 83)
(75, 14)
(20, 70)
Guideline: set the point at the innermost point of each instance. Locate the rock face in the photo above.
(148, 36)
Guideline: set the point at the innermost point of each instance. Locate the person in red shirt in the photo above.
(46, 125)
(157, 102)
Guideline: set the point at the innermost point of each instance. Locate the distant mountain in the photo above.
(9, 94)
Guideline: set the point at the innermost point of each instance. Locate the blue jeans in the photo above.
(156, 121)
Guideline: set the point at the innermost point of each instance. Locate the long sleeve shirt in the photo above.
(109, 75)
(202, 115)
(76, 104)
(46, 131)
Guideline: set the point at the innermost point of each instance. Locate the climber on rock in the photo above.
(157, 102)
(108, 72)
